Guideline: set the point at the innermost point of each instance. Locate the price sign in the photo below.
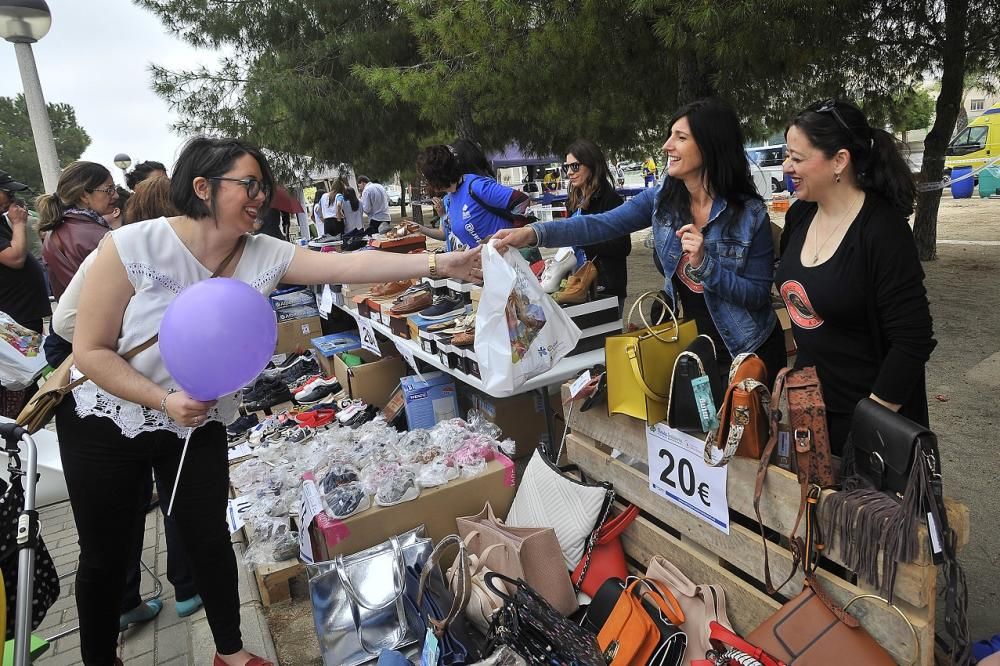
(678, 473)
(580, 382)
(407, 353)
(234, 514)
(326, 300)
(367, 334)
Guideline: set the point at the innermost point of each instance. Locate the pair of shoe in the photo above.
(266, 393)
(580, 287)
(557, 268)
(148, 610)
(316, 389)
(238, 428)
(316, 418)
(444, 307)
(416, 298)
(465, 338)
(387, 289)
(301, 366)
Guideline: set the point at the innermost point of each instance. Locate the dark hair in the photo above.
(141, 172)
(439, 165)
(150, 200)
(472, 159)
(75, 180)
(878, 164)
(725, 167)
(589, 155)
(352, 198)
(363, 179)
(210, 158)
(318, 195)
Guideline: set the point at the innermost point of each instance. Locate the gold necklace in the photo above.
(840, 224)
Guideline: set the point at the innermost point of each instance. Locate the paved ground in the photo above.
(169, 639)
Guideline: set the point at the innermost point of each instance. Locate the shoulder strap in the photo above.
(135, 351)
(499, 212)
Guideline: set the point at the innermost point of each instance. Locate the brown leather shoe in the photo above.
(578, 286)
(465, 338)
(413, 302)
(390, 288)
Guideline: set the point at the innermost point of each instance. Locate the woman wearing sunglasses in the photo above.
(711, 229)
(591, 191)
(132, 418)
(849, 271)
(72, 218)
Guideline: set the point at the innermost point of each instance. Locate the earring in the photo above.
(837, 177)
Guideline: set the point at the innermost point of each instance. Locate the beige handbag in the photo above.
(701, 604)
(483, 601)
(531, 554)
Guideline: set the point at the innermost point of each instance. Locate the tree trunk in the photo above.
(949, 103)
(402, 198)
(465, 127)
(692, 82)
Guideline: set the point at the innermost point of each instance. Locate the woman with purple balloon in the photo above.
(215, 335)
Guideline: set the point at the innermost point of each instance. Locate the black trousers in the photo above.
(373, 225)
(106, 475)
(178, 568)
(332, 226)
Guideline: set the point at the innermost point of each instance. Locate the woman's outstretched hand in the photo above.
(465, 265)
(516, 238)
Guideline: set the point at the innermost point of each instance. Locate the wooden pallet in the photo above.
(736, 561)
(273, 580)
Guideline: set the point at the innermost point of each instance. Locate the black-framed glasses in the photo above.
(252, 185)
(572, 166)
(830, 106)
(109, 190)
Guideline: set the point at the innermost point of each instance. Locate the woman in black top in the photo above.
(591, 191)
(849, 274)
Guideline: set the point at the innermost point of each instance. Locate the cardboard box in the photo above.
(430, 400)
(297, 334)
(361, 304)
(327, 347)
(375, 379)
(437, 508)
(520, 417)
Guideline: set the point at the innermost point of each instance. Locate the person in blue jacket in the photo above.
(711, 230)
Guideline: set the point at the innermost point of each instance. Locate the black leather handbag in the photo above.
(537, 631)
(697, 360)
(673, 642)
(886, 444)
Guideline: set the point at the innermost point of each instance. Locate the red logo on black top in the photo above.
(684, 273)
(799, 308)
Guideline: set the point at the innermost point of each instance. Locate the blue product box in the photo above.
(430, 401)
(328, 346)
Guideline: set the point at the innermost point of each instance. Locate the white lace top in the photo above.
(160, 266)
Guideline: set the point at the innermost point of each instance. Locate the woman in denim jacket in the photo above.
(712, 233)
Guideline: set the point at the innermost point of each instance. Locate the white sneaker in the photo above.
(557, 269)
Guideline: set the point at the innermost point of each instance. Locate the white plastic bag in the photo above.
(21, 356)
(520, 331)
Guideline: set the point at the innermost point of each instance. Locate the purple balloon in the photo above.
(216, 337)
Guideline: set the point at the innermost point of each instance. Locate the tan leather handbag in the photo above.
(810, 630)
(701, 604)
(744, 417)
(529, 553)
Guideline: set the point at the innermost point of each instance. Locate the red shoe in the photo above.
(254, 661)
(316, 418)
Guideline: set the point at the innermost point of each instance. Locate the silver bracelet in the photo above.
(163, 402)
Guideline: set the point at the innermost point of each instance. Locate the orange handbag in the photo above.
(629, 636)
(744, 418)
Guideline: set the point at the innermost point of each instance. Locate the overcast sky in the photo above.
(96, 57)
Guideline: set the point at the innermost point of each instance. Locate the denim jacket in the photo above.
(739, 258)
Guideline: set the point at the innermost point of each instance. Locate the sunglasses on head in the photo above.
(572, 166)
(830, 106)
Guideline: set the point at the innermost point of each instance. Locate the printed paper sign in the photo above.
(310, 506)
(368, 339)
(580, 382)
(234, 513)
(678, 473)
(239, 451)
(326, 300)
(407, 354)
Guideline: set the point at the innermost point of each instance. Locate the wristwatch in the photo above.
(432, 265)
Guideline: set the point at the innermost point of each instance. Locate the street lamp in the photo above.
(123, 162)
(24, 22)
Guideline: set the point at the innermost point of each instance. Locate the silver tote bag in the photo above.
(359, 604)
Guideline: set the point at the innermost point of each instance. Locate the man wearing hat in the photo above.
(23, 295)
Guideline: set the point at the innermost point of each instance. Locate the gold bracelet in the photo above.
(432, 266)
(163, 402)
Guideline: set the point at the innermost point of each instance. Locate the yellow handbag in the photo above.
(639, 364)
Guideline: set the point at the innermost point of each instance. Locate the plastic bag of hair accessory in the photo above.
(437, 472)
(478, 423)
(248, 473)
(271, 540)
(373, 476)
(449, 435)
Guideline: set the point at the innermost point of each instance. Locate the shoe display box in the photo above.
(429, 400)
(374, 380)
(402, 245)
(294, 304)
(326, 348)
(437, 508)
(378, 308)
(297, 334)
(361, 304)
(471, 362)
(460, 289)
(520, 417)
(596, 320)
(418, 332)
(400, 326)
(440, 285)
